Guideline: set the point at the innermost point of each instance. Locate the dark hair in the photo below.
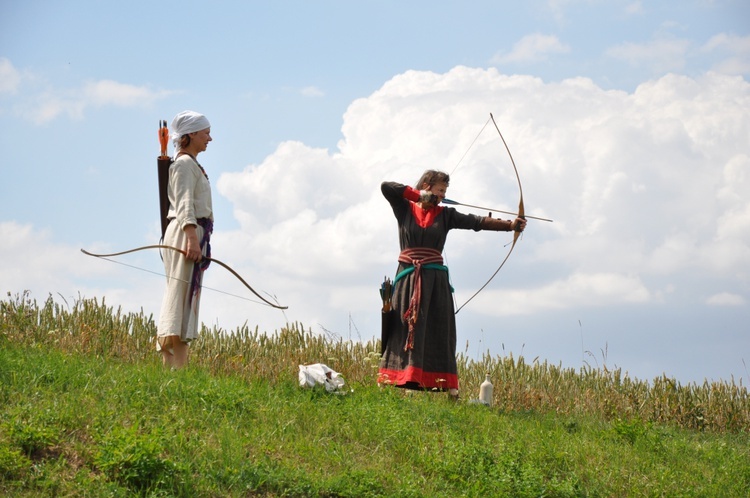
(184, 141)
(431, 177)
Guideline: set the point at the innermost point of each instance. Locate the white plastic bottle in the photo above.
(485, 391)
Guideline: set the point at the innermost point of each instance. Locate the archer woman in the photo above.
(190, 226)
(420, 343)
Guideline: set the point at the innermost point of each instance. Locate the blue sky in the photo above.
(628, 120)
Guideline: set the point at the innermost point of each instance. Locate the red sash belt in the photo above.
(417, 256)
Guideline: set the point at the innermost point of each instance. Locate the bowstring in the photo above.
(470, 146)
(187, 282)
(445, 254)
(455, 300)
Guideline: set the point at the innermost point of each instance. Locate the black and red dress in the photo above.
(419, 349)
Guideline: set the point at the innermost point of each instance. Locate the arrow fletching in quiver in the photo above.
(163, 162)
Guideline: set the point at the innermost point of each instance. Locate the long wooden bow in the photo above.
(521, 214)
(213, 260)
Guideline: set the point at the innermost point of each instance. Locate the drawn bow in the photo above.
(520, 214)
(213, 260)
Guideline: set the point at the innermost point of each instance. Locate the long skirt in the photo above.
(431, 362)
(179, 307)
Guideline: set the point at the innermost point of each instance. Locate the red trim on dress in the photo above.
(411, 194)
(425, 380)
(425, 217)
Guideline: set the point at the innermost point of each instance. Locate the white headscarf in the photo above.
(184, 123)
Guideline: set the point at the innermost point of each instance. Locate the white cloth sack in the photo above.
(319, 374)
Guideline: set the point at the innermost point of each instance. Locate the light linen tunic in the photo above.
(189, 199)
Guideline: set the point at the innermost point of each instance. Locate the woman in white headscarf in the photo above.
(189, 229)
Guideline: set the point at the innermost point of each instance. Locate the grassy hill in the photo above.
(87, 410)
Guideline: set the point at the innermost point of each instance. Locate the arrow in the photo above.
(456, 203)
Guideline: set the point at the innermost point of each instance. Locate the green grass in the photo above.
(87, 410)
